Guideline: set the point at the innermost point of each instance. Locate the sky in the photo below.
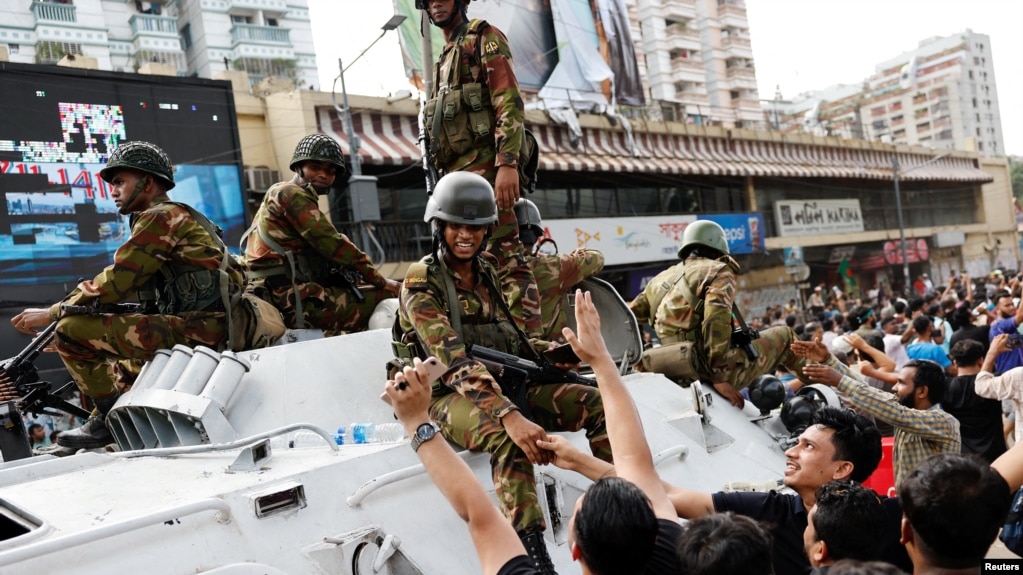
(798, 45)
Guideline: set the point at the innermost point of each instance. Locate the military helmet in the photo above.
(425, 4)
(141, 156)
(703, 233)
(462, 198)
(528, 216)
(319, 148)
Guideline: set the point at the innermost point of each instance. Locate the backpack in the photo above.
(1012, 532)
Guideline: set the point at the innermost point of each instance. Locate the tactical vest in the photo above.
(459, 117)
(498, 332)
(179, 288)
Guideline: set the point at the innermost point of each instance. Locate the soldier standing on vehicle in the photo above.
(692, 305)
(171, 260)
(450, 301)
(298, 261)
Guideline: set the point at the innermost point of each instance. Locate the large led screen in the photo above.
(57, 220)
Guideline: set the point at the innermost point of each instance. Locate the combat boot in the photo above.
(536, 548)
(94, 432)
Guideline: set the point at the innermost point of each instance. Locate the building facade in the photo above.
(699, 61)
(172, 37)
(942, 95)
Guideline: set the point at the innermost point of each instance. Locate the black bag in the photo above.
(1012, 531)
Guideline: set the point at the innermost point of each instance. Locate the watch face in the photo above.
(426, 432)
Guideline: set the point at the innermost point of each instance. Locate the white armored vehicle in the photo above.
(227, 464)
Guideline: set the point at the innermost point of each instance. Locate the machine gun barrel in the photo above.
(101, 308)
(429, 170)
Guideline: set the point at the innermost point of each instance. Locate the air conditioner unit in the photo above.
(259, 179)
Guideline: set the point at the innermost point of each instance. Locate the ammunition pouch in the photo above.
(256, 323)
(459, 120)
(174, 291)
(681, 361)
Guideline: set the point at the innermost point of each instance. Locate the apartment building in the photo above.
(699, 61)
(941, 95)
(174, 37)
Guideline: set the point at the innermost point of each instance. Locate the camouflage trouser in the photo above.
(95, 347)
(773, 349)
(332, 309)
(517, 282)
(557, 407)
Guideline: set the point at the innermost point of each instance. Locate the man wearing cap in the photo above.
(815, 303)
(172, 261)
(691, 307)
(298, 261)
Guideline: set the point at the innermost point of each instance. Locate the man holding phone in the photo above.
(1007, 385)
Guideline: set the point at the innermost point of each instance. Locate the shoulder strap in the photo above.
(452, 296)
(499, 298)
(288, 256)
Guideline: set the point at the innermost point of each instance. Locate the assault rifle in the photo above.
(349, 279)
(19, 380)
(101, 308)
(743, 335)
(429, 170)
(517, 374)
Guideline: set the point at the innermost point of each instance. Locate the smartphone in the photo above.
(435, 368)
(562, 354)
(1014, 341)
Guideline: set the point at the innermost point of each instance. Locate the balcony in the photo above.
(147, 24)
(687, 70)
(736, 41)
(741, 73)
(244, 33)
(680, 36)
(268, 5)
(52, 12)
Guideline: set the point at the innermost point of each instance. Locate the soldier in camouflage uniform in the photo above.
(555, 273)
(451, 300)
(711, 275)
(294, 254)
(170, 255)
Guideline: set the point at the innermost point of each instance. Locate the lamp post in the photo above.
(898, 207)
(362, 190)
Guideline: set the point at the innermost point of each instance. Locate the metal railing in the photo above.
(142, 23)
(53, 12)
(402, 240)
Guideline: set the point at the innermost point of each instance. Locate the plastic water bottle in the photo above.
(339, 437)
(374, 433)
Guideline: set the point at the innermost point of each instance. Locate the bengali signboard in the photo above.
(622, 240)
(812, 217)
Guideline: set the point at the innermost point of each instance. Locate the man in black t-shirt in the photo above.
(980, 419)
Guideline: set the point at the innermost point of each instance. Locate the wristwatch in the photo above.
(424, 433)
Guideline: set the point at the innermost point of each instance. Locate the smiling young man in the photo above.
(452, 300)
(296, 258)
(166, 241)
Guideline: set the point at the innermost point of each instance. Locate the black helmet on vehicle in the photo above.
(530, 224)
(141, 156)
(766, 392)
(462, 198)
(318, 148)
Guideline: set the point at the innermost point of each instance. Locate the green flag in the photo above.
(846, 273)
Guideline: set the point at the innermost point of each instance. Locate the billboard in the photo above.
(57, 220)
(744, 231)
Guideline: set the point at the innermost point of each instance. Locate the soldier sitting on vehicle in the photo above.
(450, 302)
(171, 259)
(298, 261)
(692, 308)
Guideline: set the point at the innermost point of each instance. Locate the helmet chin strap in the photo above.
(139, 187)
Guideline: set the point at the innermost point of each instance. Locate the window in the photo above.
(734, 94)
(186, 37)
(239, 19)
(272, 22)
(13, 48)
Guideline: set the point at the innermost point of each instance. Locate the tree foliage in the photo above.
(1016, 177)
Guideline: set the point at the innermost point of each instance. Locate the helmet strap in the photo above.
(140, 186)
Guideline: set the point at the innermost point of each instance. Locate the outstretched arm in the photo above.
(492, 535)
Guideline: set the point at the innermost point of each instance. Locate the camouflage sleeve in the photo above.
(717, 320)
(579, 265)
(422, 311)
(157, 235)
(640, 307)
(496, 58)
(303, 213)
(517, 282)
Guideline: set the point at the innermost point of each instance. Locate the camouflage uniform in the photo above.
(291, 216)
(91, 346)
(675, 319)
(485, 58)
(517, 276)
(555, 275)
(469, 404)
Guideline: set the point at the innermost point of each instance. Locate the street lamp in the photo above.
(898, 206)
(362, 190)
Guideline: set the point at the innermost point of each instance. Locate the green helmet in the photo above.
(703, 233)
(462, 198)
(528, 216)
(141, 156)
(319, 148)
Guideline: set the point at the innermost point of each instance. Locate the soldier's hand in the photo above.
(30, 319)
(563, 453)
(392, 286)
(589, 343)
(730, 393)
(525, 434)
(812, 350)
(823, 374)
(506, 187)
